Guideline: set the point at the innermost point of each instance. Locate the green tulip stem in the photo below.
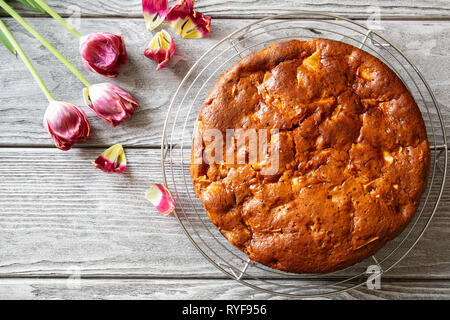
(58, 18)
(26, 61)
(36, 34)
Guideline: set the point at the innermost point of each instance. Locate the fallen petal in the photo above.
(112, 160)
(161, 198)
(155, 12)
(181, 9)
(193, 27)
(161, 49)
(187, 22)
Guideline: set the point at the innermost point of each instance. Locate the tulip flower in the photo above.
(110, 102)
(161, 198)
(103, 53)
(161, 49)
(67, 124)
(187, 22)
(107, 100)
(112, 160)
(155, 12)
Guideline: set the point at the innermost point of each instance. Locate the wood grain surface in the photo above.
(58, 211)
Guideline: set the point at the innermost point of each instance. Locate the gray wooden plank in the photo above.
(58, 212)
(159, 289)
(253, 8)
(21, 111)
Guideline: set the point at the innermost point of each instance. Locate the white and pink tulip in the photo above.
(161, 198)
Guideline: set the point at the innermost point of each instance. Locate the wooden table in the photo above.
(60, 216)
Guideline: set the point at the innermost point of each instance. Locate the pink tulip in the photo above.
(154, 12)
(103, 53)
(67, 124)
(110, 102)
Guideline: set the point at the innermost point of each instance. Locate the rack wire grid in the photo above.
(178, 134)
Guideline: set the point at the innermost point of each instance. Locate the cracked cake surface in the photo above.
(353, 156)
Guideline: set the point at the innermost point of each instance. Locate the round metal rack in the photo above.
(178, 134)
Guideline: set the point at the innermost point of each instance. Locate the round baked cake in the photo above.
(353, 156)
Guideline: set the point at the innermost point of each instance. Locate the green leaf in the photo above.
(7, 43)
(33, 5)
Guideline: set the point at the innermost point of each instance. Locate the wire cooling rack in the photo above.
(178, 134)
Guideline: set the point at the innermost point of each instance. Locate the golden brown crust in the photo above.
(354, 156)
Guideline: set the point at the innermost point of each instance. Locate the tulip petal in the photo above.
(155, 12)
(161, 198)
(112, 160)
(187, 22)
(110, 102)
(161, 49)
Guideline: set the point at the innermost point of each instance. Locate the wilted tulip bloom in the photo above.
(110, 102)
(187, 22)
(103, 53)
(161, 49)
(67, 124)
(161, 198)
(154, 12)
(112, 160)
